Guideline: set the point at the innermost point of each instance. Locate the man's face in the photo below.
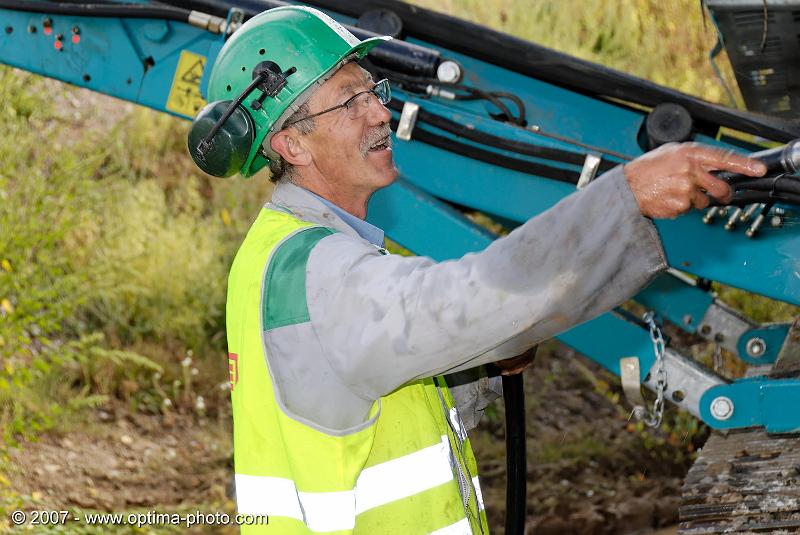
(352, 154)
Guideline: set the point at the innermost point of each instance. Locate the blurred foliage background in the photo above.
(665, 42)
(114, 248)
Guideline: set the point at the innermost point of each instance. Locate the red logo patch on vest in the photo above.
(233, 369)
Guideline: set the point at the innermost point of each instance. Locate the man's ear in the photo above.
(288, 144)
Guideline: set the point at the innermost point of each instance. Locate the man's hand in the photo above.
(670, 180)
(517, 364)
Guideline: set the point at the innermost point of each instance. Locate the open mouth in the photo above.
(381, 144)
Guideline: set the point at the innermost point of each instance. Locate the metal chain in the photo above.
(653, 417)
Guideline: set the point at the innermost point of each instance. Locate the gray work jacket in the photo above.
(379, 321)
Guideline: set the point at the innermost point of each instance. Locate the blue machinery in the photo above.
(463, 145)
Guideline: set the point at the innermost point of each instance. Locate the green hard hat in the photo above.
(291, 36)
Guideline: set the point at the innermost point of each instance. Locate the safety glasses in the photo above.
(358, 104)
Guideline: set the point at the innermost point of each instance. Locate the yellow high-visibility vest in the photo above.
(408, 470)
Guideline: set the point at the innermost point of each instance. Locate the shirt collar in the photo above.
(309, 206)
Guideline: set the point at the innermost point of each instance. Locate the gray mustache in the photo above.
(375, 135)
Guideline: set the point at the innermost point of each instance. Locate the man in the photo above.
(342, 421)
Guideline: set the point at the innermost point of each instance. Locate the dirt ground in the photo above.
(130, 462)
(589, 473)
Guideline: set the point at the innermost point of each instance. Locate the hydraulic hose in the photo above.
(775, 185)
(516, 454)
(491, 157)
(483, 138)
(397, 54)
(109, 10)
(779, 161)
(516, 457)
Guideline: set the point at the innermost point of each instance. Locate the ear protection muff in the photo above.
(228, 147)
(223, 132)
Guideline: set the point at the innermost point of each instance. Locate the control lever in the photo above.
(784, 160)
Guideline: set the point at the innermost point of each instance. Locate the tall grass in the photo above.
(114, 254)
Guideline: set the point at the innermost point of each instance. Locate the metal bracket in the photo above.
(756, 344)
(233, 22)
(724, 326)
(408, 118)
(758, 401)
(688, 381)
(590, 166)
(630, 375)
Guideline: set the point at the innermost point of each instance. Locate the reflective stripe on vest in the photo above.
(461, 527)
(477, 485)
(330, 511)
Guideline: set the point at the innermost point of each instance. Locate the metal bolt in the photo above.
(448, 72)
(709, 216)
(731, 224)
(756, 347)
(776, 220)
(722, 408)
(687, 319)
(748, 213)
(759, 220)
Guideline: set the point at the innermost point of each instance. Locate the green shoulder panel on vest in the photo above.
(284, 298)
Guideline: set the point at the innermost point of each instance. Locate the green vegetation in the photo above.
(113, 263)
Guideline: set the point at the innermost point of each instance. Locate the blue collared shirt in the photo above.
(369, 232)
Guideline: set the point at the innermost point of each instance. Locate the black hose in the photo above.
(516, 456)
(493, 158)
(130, 11)
(776, 184)
(517, 102)
(497, 142)
(493, 97)
(745, 198)
(786, 197)
(418, 85)
(473, 93)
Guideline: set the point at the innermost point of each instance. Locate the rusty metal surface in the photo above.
(743, 482)
(788, 363)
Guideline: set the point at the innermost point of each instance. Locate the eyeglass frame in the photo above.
(388, 97)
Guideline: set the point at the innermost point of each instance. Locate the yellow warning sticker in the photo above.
(184, 95)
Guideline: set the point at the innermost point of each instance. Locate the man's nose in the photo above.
(378, 113)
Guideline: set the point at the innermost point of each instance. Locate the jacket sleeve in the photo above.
(384, 320)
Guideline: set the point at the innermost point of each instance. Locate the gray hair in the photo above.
(279, 168)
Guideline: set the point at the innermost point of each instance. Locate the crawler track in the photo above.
(743, 482)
